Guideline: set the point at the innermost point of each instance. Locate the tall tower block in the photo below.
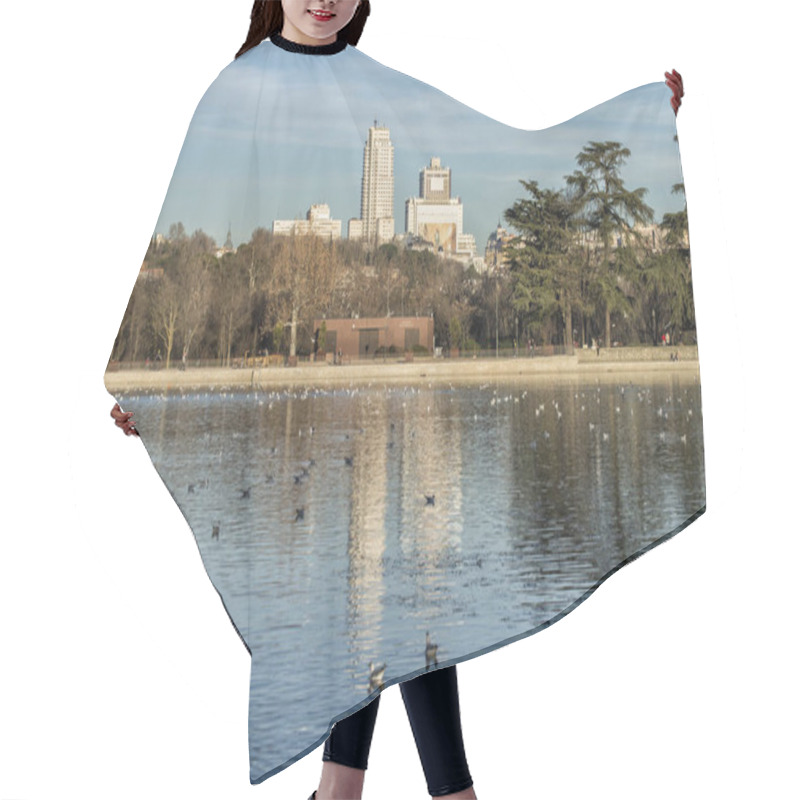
(377, 186)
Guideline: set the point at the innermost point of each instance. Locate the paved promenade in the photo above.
(610, 364)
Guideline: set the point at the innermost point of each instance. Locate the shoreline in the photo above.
(545, 367)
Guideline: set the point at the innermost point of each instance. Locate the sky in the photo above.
(277, 132)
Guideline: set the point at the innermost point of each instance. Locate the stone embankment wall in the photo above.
(619, 354)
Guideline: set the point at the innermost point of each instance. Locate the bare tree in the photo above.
(164, 314)
(305, 272)
(195, 284)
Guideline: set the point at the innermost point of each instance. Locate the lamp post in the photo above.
(496, 317)
(655, 332)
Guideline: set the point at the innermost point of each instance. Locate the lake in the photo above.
(340, 525)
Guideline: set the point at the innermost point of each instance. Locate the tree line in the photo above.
(577, 269)
(588, 265)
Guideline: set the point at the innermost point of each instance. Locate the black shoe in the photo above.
(313, 795)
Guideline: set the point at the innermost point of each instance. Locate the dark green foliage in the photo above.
(585, 264)
(543, 281)
(577, 269)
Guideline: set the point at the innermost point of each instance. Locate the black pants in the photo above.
(433, 711)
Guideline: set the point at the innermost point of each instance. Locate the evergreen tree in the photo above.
(609, 211)
(541, 263)
(667, 279)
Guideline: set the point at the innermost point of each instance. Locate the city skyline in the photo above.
(433, 215)
(306, 147)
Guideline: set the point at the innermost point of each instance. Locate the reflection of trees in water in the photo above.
(620, 467)
(540, 488)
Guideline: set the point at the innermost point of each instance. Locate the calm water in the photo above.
(309, 507)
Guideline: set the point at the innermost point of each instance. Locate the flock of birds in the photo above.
(547, 415)
(583, 401)
(298, 478)
(377, 673)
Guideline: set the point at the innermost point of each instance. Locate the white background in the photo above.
(120, 675)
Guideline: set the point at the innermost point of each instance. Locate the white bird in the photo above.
(376, 676)
(430, 650)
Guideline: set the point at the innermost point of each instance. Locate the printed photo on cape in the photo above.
(122, 674)
(419, 381)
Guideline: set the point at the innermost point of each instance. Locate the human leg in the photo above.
(434, 713)
(346, 753)
(339, 782)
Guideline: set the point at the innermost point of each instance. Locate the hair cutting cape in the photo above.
(418, 381)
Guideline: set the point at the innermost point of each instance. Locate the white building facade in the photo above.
(317, 222)
(377, 189)
(437, 217)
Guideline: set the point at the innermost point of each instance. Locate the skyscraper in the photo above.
(377, 188)
(434, 182)
(437, 217)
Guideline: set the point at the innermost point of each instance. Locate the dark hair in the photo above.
(266, 19)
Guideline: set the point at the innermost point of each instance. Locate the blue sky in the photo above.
(277, 132)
